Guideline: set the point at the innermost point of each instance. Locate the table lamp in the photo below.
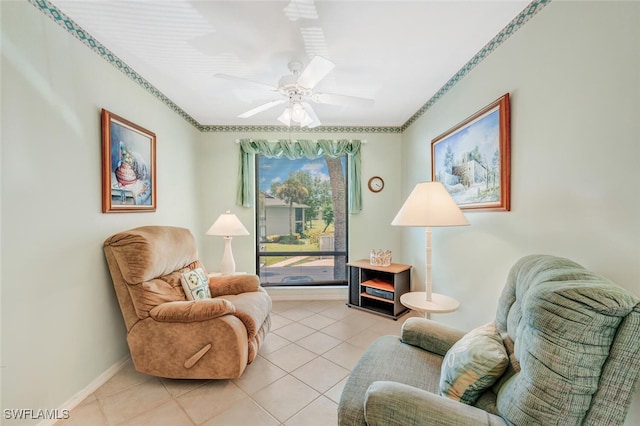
(227, 226)
(428, 205)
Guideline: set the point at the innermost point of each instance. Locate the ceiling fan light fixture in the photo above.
(313, 121)
(301, 113)
(306, 122)
(298, 113)
(298, 87)
(285, 117)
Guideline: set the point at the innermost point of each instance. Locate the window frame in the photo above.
(334, 253)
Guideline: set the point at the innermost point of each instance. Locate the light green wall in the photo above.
(61, 324)
(368, 229)
(573, 75)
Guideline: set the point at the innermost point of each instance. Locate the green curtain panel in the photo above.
(298, 149)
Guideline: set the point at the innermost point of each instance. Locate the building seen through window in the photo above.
(301, 220)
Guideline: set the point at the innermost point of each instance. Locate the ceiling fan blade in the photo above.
(317, 69)
(343, 100)
(313, 121)
(246, 81)
(262, 107)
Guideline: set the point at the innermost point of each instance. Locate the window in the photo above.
(301, 220)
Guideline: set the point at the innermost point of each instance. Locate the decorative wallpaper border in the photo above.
(285, 129)
(74, 29)
(528, 12)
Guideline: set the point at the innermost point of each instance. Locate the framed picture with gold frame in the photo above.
(473, 159)
(128, 166)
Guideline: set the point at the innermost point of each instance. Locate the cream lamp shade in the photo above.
(227, 225)
(428, 205)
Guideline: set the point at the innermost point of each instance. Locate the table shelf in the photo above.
(392, 281)
(374, 297)
(379, 284)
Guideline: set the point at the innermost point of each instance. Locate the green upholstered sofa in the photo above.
(573, 343)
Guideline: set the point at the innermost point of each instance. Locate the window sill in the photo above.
(308, 293)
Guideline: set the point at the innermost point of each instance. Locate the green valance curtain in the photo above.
(298, 149)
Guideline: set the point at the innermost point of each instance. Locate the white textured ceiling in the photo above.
(397, 52)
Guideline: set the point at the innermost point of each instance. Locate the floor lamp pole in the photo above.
(428, 283)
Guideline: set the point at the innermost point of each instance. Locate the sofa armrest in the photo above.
(223, 285)
(190, 311)
(430, 335)
(252, 308)
(396, 404)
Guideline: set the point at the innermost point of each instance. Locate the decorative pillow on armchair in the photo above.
(195, 284)
(473, 364)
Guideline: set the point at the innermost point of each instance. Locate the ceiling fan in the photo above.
(297, 89)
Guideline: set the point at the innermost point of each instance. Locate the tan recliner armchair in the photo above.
(170, 336)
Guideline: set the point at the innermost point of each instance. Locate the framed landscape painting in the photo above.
(472, 160)
(128, 166)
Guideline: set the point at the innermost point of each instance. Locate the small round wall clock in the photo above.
(376, 184)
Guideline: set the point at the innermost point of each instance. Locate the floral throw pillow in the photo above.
(195, 284)
(473, 364)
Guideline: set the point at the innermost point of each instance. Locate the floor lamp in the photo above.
(429, 205)
(227, 225)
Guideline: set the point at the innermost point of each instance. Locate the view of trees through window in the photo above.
(301, 220)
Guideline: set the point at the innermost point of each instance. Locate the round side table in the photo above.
(439, 303)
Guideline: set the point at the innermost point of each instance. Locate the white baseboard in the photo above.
(308, 293)
(75, 400)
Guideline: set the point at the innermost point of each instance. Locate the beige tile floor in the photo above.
(296, 379)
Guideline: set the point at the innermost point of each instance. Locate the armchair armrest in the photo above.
(190, 311)
(223, 285)
(429, 335)
(396, 404)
